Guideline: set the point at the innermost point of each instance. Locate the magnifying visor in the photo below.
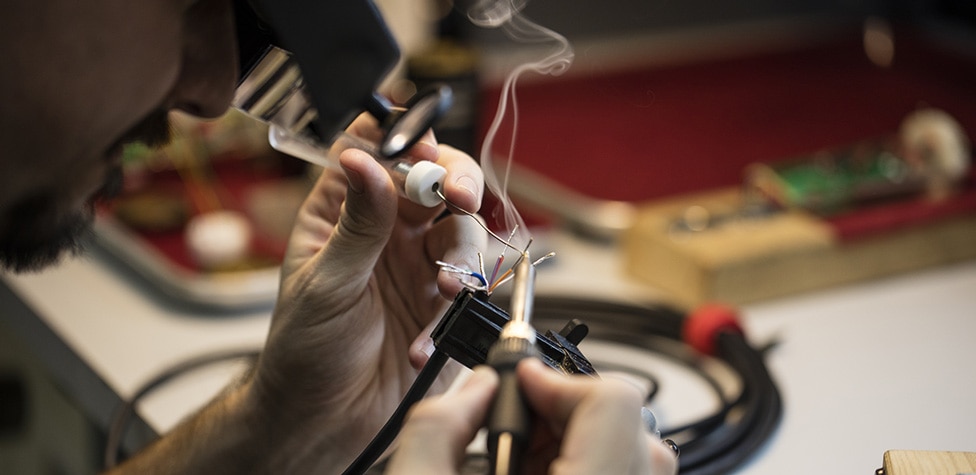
(309, 67)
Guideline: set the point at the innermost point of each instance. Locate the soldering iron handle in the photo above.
(510, 419)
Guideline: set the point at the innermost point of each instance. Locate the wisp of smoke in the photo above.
(507, 15)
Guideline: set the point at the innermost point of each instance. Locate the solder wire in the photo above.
(489, 283)
(440, 194)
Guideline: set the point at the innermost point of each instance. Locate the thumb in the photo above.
(366, 218)
(439, 428)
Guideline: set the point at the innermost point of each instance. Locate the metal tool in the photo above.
(509, 422)
(309, 68)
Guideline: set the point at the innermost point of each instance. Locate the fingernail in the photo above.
(427, 347)
(432, 151)
(466, 183)
(354, 179)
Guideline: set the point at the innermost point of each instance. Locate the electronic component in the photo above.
(472, 325)
(929, 154)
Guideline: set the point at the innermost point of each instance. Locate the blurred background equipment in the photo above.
(650, 134)
(877, 207)
(206, 217)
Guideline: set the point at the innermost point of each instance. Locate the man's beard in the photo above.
(42, 234)
(36, 231)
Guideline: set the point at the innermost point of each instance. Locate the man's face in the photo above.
(79, 79)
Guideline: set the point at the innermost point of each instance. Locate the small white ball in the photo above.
(218, 238)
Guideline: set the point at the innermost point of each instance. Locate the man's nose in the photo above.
(209, 69)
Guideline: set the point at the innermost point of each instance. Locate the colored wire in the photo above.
(505, 277)
(501, 256)
(481, 265)
(448, 267)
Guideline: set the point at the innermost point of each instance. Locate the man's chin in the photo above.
(38, 241)
(37, 231)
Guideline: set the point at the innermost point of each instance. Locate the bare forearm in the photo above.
(225, 437)
(245, 430)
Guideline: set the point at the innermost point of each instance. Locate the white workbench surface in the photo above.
(887, 364)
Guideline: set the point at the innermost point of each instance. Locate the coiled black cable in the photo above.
(719, 442)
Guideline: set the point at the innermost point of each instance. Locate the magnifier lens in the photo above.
(420, 114)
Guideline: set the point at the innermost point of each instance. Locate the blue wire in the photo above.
(480, 277)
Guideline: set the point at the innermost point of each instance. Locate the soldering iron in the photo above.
(509, 422)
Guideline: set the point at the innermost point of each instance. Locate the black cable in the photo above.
(643, 342)
(385, 436)
(762, 409)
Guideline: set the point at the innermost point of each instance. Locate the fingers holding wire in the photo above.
(462, 192)
(461, 188)
(456, 245)
(464, 185)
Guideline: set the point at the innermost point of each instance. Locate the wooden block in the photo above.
(747, 260)
(918, 462)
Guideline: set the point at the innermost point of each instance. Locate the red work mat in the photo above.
(643, 134)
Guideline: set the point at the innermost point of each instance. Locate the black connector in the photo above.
(472, 325)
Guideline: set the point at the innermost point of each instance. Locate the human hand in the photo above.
(359, 292)
(583, 426)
